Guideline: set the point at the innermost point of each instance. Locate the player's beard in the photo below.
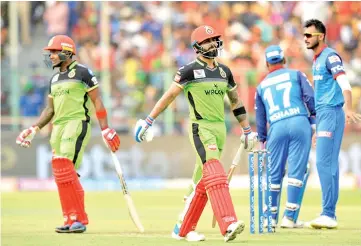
(211, 53)
(314, 46)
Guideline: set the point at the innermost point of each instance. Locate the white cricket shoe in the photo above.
(265, 223)
(192, 236)
(323, 222)
(290, 224)
(234, 229)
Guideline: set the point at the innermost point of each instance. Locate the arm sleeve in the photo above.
(89, 80)
(261, 118)
(180, 78)
(308, 95)
(231, 83)
(334, 65)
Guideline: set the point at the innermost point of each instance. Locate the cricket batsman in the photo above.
(71, 90)
(332, 92)
(285, 99)
(205, 82)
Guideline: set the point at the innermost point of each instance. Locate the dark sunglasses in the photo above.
(309, 35)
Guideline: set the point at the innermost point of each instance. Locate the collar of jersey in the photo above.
(277, 67)
(72, 65)
(319, 53)
(205, 64)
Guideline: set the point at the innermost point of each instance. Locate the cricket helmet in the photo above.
(202, 33)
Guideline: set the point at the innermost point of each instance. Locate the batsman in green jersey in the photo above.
(205, 83)
(71, 91)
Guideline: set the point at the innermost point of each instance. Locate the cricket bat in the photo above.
(128, 199)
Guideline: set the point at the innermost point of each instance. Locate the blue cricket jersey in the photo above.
(327, 65)
(283, 93)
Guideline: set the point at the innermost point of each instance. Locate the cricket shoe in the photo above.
(62, 229)
(77, 227)
(324, 222)
(233, 229)
(290, 224)
(192, 236)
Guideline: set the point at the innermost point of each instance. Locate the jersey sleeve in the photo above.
(89, 80)
(335, 65)
(308, 95)
(261, 118)
(180, 77)
(231, 83)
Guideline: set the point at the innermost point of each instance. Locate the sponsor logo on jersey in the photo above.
(199, 73)
(285, 113)
(222, 72)
(337, 68)
(61, 92)
(334, 58)
(317, 77)
(71, 74)
(212, 147)
(324, 134)
(55, 78)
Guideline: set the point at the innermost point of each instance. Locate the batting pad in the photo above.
(70, 191)
(215, 181)
(195, 204)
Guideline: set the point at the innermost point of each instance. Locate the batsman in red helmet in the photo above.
(72, 89)
(205, 83)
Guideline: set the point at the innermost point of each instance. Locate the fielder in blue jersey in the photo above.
(332, 92)
(285, 100)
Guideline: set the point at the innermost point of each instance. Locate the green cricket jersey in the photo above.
(205, 89)
(69, 91)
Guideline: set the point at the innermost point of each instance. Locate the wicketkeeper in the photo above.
(71, 90)
(205, 82)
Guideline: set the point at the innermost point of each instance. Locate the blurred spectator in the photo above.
(56, 17)
(32, 101)
(149, 40)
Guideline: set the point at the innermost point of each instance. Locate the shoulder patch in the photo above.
(334, 58)
(91, 72)
(95, 81)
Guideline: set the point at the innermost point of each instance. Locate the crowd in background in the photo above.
(144, 55)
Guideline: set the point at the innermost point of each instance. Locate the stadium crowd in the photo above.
(141, 44)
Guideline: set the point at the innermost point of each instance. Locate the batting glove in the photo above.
(142, 130)
(26, 136)
(111, 139)
(249, 139)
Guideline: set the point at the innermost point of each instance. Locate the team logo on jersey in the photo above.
(71, 74)
(209, 30)
(324, 134)
(199, 73)
(212, 147)
(222, 72)
(318, 66)
(55, 78)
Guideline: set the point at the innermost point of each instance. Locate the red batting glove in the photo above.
(111, 138)
(26, 136)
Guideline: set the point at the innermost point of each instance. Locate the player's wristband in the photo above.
(101, 114)
(149, 120)
(247, 130)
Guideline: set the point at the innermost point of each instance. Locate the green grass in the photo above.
(29, 218)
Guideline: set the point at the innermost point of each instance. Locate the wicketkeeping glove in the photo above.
(26, 136)
(111, 139)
